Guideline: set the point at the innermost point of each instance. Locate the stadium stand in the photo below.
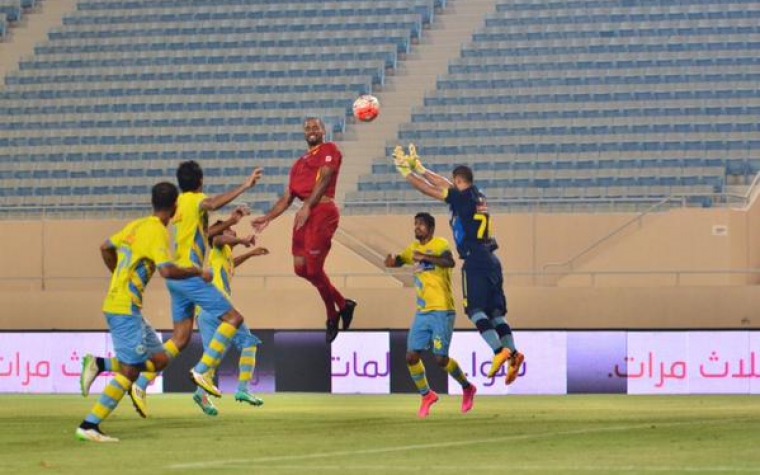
(590, 100)
(125, 89)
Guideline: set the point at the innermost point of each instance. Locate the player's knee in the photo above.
(160, 361)
(441, 361)
(481, 321)
(301, 271)
(234, 318)
(315, 271)
(412, 358)
(498, 320)
(131, 372)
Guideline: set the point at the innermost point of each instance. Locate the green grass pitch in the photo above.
(326, 434)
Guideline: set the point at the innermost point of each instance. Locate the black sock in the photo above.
(89, 425)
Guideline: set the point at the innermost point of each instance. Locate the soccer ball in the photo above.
(366, 108)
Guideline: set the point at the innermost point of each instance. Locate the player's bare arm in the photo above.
(227, 240)
(259, 251)
(108, 253)
(427, 188)
(415, 163)
(237, 215)
(280, 207)
(412, 170)
(437, 180)
(444, 260)
(325, 177)
(219, 201)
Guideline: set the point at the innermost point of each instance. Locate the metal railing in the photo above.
(600, 204)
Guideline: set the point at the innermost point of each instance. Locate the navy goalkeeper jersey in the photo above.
(472, 227)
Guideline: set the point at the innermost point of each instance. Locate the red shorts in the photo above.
(315, 237)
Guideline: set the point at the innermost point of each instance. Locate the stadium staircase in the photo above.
(125, 89)
(405, 89)
(587, 101)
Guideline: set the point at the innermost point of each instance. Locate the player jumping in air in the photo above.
(313, 180)
(191, 226)
(133, 255)
(93, 366)
(433, 323)
(482, 277)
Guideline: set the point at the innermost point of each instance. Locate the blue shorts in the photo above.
(483, 291)
(431, 331)
(207, 326)
(134, 340)
(189, 293)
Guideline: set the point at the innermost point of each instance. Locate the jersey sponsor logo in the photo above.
(423, 267)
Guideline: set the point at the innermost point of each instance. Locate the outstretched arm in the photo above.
(259, 251)
(225, 240)
(426, 188)
(436, 179)
(282, 204)
(415, 163)
(234, 218)
(410, 167)
(219, 201)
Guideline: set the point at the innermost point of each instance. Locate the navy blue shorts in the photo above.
(483, 291)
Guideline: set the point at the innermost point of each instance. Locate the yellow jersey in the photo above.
(141, 247)
(433, 283)
(191, 228)
(223, 265)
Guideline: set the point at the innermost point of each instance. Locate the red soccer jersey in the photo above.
(305, 172)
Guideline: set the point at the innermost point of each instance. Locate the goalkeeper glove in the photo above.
(401, 161)
(414, 161)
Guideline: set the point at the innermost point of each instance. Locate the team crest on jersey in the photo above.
(328, 158)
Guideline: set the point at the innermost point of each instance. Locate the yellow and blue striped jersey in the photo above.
(191, 227)
(223, 265)
(141, 247)
(433, 283)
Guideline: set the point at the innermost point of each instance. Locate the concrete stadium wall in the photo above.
(51, 276)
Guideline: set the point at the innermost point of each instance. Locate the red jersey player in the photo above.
(313, 179)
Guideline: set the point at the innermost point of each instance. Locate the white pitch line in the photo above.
(512, 468)
(435, 445)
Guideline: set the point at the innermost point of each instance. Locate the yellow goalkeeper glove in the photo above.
(401, 161)
(414, 161)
